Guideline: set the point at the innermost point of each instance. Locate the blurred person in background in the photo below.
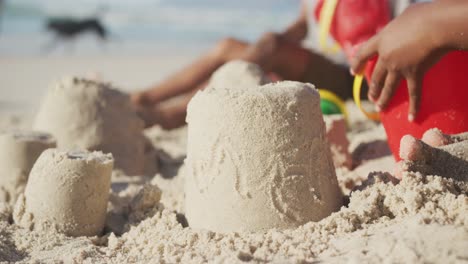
(290, 55)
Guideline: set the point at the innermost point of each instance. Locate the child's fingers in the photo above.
(377, 81)
(391, 84)
(364, 53)
(414, 91)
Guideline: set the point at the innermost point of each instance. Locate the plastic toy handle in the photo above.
(327, 95)
(325, 21)
(357, 98)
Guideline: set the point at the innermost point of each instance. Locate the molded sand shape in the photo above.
(68, 191)
(257, 159)
(18, 152)
(86, 114)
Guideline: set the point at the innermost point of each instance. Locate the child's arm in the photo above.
(409, 45)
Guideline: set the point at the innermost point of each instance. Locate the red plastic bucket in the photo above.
(444, 101)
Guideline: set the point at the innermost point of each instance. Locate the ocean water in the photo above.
(140, 26)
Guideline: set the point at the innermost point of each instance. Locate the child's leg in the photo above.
(293, 62)
(169, 114)
(190, 77)
(289, 60)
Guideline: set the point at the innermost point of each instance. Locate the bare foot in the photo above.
(168, 114)
(150, 112)
(436, 154)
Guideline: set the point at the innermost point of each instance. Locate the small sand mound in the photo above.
(18, 152)
(67, 191)
(236, 74)
(85, 114)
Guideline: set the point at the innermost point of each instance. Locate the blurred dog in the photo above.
(67, 29)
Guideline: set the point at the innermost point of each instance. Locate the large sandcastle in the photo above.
(18, 152)
(86, 114)
(257, 159)
(68, 191)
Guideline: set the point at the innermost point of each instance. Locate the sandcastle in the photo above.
(68, 191)
(18, 152)
(257, 159)
(86, 114)
(237, 73)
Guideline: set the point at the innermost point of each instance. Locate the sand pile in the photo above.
(421, 219)
(236, 74)
(239, 74)
(67, 191)
(259, 152)
(18, 152)
(383, 210)
(86, 114)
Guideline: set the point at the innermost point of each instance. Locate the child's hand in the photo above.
(406, 47)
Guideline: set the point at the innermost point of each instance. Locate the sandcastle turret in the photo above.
(91, 115)
(237, 73)
(18, 152)
(257, 159)
(67, 191)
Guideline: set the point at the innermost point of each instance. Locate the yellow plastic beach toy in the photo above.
(325, 21)
(357, 98)
(330, 104)
(326, 18)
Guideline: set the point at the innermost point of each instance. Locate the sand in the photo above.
(274, 168)
(67, 191)
(19, 150)
(420, 219)
(92, 115)
(237, 73)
